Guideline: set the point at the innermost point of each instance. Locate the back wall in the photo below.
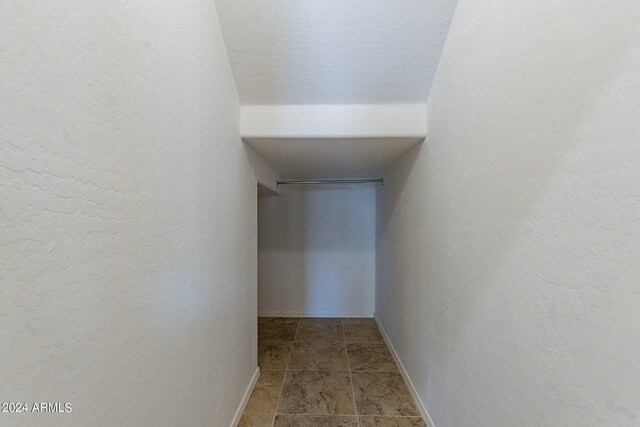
(316, 251)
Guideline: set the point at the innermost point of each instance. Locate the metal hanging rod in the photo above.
(330, 181)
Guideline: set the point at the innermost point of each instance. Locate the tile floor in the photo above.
(324, 373)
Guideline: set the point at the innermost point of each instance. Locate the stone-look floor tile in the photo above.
(362, 333)
(370, 357)
(319, 356)
(391, 422)
(266, 393)
(271, 331)
(256, 420)
(358, 321)
(382, 393)
(315, 421)
(277, 320)
(317, 393)
(310, 321)
(327, 332)
(274, 354)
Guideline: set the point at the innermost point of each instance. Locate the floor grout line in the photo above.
(353, 391)
(286, 370)
(349, 370)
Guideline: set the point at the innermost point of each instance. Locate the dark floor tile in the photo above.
(315, 421)
(278, 320)
(266, 393)
(391, 422)
(310, 321)
(273, 331)
(321, 393)
(382, 393)
(358, 321)
(370, 357)
(274, 354)
(320, 332)
(319, 356)
(256, 420)
(317, 393)
(362, 333)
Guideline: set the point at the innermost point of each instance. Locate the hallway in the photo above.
(327, 372)
(363, 213)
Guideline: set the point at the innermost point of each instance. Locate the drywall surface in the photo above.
(329, 141)
(332, 158)
(323, 52)
(316, 251)
(127, 216)
(508, 246)
(263, 172)
(333, 121)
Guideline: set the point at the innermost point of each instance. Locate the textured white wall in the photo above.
(316, 251)
(127, 215)
(508, 246)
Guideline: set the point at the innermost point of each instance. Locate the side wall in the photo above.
(316, 251)
(508, 245)
(127, 216)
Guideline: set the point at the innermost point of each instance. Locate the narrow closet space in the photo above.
(316, 250)
(322, 358)
(319, 153)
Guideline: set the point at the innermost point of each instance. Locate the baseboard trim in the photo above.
(314, 314)
(245, 398)
(405, 375)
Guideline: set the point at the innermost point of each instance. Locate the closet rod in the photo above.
(330, 181)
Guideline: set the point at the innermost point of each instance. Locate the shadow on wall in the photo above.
(391, 261)
(516, 167)
(270, 225)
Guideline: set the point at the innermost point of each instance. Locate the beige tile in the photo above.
(256, 420)
(264, 398)
(370, 357)
(315, 421)
(274, 354)
(317, 332)
(358, 321)
(316, 393)
(362, 333)
(391, 422)
(319, 356)
(274, 331)
(382, 393)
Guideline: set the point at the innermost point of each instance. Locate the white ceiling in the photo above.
(331, 158)
(334, 52)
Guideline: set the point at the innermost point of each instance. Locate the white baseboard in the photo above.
(245, 398)
(405, 375)
(314, 314)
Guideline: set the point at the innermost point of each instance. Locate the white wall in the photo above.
(508, 246)
(263, 172)
(128, 216)
(316, 251)
(333, 121)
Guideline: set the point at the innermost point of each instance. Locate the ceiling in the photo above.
(334, 52)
